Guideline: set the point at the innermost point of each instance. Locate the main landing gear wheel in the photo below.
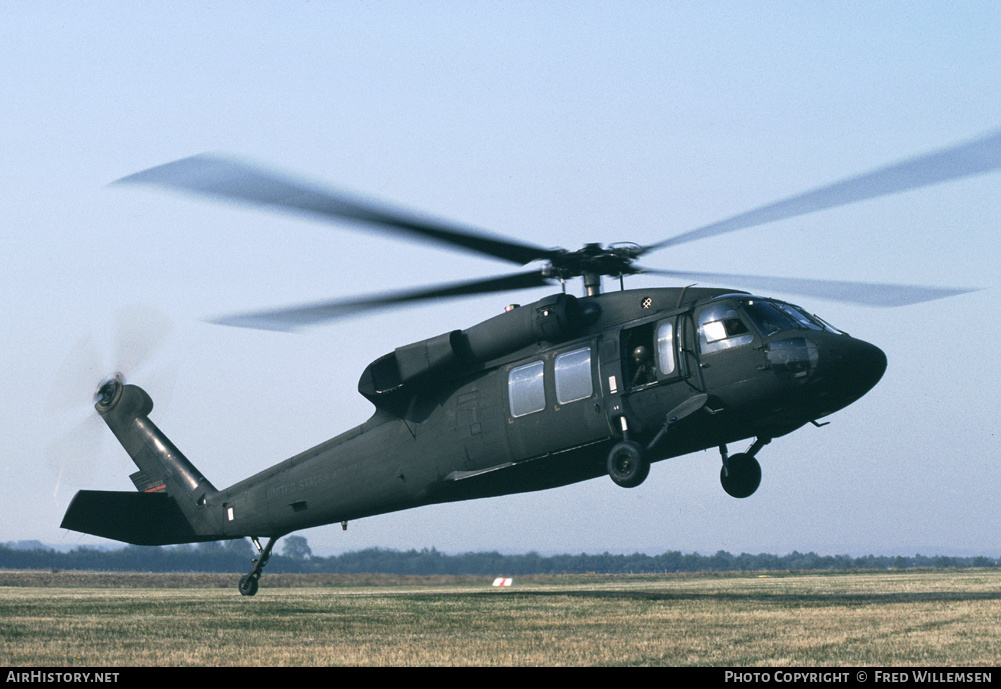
(248, 585)
(740, 475)
(627, 465)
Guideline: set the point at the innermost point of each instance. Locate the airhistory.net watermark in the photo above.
(49, 676)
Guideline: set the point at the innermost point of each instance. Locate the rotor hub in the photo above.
(109, 390)
(594, 259)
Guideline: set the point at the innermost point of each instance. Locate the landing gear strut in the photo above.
(741, 473)
(249, 582)
(628, 464)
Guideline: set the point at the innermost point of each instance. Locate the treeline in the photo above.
(235, 556)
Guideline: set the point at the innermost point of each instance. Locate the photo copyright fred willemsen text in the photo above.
(787, 676)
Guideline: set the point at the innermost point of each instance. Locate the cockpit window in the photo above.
(721, 327)
(771, 317)
(768, 317)
(827, 326)
(802, 319)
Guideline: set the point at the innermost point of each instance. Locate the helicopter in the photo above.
(562, 390)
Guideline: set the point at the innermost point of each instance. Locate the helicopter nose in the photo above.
(857, 366)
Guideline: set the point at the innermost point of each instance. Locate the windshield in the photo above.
(773, 316)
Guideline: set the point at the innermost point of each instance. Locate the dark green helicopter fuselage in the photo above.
(532, 399)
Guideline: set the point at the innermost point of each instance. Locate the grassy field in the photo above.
(847, 619)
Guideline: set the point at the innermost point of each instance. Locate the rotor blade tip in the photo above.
(250, 322)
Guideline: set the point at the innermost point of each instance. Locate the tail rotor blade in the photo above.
(76, 379)
(74, 455)
(142, 332)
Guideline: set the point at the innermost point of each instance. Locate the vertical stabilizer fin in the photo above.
(174, 501)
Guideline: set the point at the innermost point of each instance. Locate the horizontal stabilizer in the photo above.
(137, 518)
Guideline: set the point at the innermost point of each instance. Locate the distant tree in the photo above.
(232, 555)
(241, 546)
(296, 548)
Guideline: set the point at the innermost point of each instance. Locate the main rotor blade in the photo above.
(865, 293)
(974, 158)
(215, 176)
(294, 317)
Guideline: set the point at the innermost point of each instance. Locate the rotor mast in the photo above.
(591, 262)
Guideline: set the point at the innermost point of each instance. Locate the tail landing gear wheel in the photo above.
(626, 464)
(250, 581)
(740, 475)
(248, 585)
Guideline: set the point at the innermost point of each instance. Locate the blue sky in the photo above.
(557, 123)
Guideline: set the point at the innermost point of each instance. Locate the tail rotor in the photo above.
(89, 375)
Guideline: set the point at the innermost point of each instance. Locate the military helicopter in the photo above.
(565, 389)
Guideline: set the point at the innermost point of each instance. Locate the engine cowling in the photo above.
(552, 319)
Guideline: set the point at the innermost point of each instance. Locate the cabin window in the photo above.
(526, 389)
(720, 327)
(573, 376)
(665, 348)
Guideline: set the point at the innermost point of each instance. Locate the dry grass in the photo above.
(893, 618)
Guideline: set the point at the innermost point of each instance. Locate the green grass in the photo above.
(887, 618)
